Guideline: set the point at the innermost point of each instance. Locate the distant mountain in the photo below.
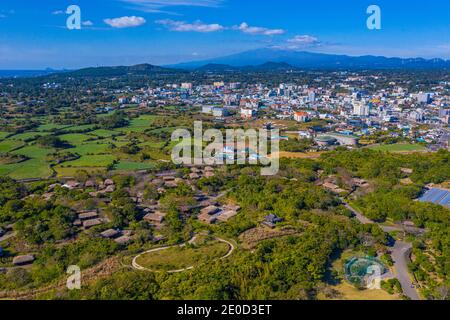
(268, 66)
(215, 67)
(140, 69)
(272, 66)
(311, 60)
(27, 73)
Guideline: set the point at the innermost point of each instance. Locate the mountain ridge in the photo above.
(312, 60)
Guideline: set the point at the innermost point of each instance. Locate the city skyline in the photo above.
(125, 32)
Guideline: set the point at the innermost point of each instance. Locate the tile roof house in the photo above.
(92, 223)
(271, 220)
(23, 260)
(87, 215)
(154, 218)
(71, 185)
(109, 234)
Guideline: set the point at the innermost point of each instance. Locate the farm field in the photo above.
(98, 149)
(29, 136)
(51, 127)
(30, 169)
(91, 161)
(80, 128)
(92, 148)
(102, 133)
(139, 124)
(399, 148)
(132, 166)
(3, 135)
(8, 145)
(76, 138)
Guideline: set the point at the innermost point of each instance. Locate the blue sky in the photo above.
(33, 33)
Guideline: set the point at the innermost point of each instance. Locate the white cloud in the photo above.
(87, 23)
(157, 5)
(125, 22)
(304, 40)
(244, 27)
(197, 26)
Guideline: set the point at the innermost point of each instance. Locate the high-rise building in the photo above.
(360, 108)
(186, 85)
(424, 98)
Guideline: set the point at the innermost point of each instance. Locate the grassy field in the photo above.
(3, 135)
(177, 258)
(84, 127)
(8, 145)
(93, 161)
(50, 127)
(28, 136)
(92, 148)
(30, 169)
(139, 124)
(102, 133)
(34, 152)
(399, 147)
(132, 166)
(72, 171)
(34, 168)
(75, 138)
(348, 292)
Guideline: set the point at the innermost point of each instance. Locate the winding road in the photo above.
(401, 252)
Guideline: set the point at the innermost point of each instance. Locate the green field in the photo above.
(34, 152)
(51, 127)
(139, 124)
(91, 161)
(399, 147)
(92, 148)
(34, 168)
(75, 138)
(8, 145)
(102, 133)
(84, 128)
(30, 169)
(28, 136)
(3, 135)
(132, 166)
(177, 258)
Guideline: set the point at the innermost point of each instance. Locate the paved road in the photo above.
(357, 214)
(401, 252)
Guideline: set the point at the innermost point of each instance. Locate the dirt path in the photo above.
(137, 266)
